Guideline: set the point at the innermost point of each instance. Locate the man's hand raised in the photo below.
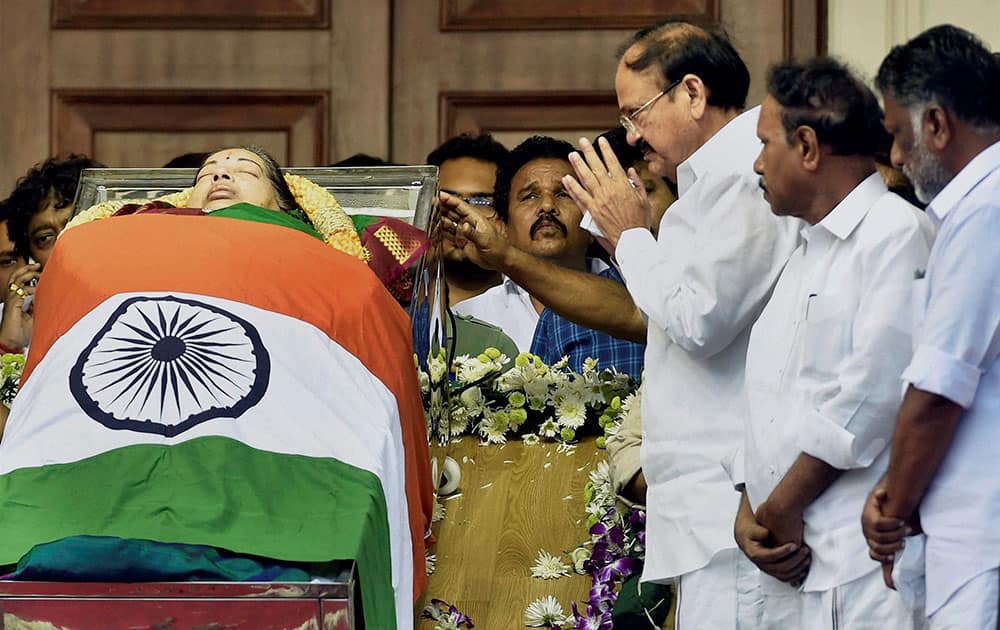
(616, 200)
(478, 236)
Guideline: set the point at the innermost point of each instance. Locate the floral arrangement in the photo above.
(490, 398)
(11, 366)
(495, 398)
(616, 549)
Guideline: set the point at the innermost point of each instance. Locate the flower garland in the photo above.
(495, 401)
(319, 205)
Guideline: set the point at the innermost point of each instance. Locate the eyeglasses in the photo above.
(629, 121)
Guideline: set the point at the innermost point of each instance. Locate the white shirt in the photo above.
(700, 286)
(508, 307)
(824, 363)
(957, 340)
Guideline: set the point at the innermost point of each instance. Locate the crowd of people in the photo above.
(785, 301)
(808, 290)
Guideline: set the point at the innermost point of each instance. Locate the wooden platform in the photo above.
(515, 500)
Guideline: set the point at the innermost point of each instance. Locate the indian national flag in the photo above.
(221, 382)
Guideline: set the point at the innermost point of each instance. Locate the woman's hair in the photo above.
(56, 177)
(286, 201)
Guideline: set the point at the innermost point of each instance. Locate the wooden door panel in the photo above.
(78, 115)
(464, 70)
(205, 14)
(337, 51)
(118, 147)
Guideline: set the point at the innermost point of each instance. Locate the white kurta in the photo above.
(824, 364)
(508, 307)
(957, 341)
(700, 286)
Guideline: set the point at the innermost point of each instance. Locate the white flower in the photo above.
(438, 368)
(447, 622)
(572, 412)
(425, 381)
(536, 388)
(493, 428)
(459, 420)
(589, 365)
(631, 399)
(530, 439)
(474, 402)
(561, 363)
(439, 511)
(470, 369)
(548, 566)
(601, 474)
(579, 556)
(431, 561)
(544, 611)
(548, 429)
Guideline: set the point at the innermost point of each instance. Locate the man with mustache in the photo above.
(826, 353)
(541, 219)
(942, 106)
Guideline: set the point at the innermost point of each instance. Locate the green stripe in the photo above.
(250, 212)
(210, 491)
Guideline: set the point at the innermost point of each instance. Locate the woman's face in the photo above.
(232, 176)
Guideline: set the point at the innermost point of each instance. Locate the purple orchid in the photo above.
(592, 619)
(439, 610)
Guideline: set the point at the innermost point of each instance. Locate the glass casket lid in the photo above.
(401, 192)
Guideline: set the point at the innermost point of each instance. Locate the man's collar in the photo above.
(722, 150)
(847, 214)
(974, 172)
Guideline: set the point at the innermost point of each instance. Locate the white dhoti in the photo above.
(971, 607)
(862, 604)
(723, 594)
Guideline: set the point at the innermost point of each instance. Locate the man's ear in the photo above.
(937, 127)
(807, 145)
(697, 94)
(501, 226)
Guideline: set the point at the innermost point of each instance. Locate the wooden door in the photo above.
(517, 67)
(135, 83)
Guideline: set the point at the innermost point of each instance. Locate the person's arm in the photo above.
(623, 447)
(788, 562)
(781, 513)
(15, 330)
(924, 430)
(704, 299)
(587, 299)
(957, 344)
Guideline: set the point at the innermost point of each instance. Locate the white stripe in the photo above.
(321, 401)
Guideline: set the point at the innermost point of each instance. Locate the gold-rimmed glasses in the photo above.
(629, 121)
